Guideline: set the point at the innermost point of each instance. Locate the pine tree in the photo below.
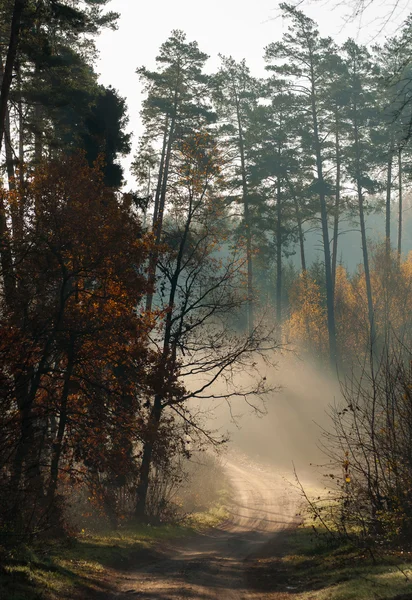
(236, 93)
(302, 58)
(176, 105)
(360, 157)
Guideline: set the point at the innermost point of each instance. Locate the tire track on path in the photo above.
(211, 565)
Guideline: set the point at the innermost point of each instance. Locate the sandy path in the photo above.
(212, 566)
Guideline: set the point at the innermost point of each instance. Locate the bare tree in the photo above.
(200, 292)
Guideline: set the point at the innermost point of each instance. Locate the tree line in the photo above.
(123, 314)
(323, 139)
(102, 388)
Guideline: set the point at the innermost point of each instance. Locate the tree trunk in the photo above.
(299, 223)
(38, 127)
(325, 232)
(161, 195)
(278, 253)
(337, 203)
(5, 250)
(400, 205)
(144, 474)
(371, 317)
(21, 132)
(58, 442)
(247, 220)
(157, 409)
(38, 134)
(9, 153)
(15, 208)
(18, 9)
(388, 204)
(160, 175)
(6, 258)
(301, 239)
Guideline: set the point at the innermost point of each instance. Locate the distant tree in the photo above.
(279, 164)
(236, 95)
(177, 104)
(302, 58)
(200, 291)
(360, 159)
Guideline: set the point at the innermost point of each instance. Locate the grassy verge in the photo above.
(86, 567)
(306, 568)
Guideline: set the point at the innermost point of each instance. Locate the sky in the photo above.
(238, 28)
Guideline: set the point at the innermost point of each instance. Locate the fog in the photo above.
(287, 434)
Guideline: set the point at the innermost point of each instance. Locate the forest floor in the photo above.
(258, 552)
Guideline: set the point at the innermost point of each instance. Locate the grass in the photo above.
(205, 520)
(88, 564)
(308, 568)
(296, 562)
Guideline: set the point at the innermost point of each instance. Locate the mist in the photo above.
(288, 432)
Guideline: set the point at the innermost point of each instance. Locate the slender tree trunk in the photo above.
(9, 153)
(15, 208)
(58, 442)
(301, 240)
(247, 219)
(337, 203)
(5, 250)
(157, 408)
(15, 29)
(21, 132)
(38, 130)
(160, 175)
(145, 466)
(400, 205)
(6, 258)
(299, 224)
(371, 317)
(388, 203)
(38, 135)
(365, 255)
(325, 232)
(302, 251)
(25, 454)
(278, 253)
(161, 195)
(6, 236)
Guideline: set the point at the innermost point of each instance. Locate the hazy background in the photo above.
(240, 28)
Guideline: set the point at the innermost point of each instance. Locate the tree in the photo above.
(235, 95)
(15, 29)
(102, 134)
(304, 55)
(392, 62)
(176, 105)
(361, 110)
(53, 70)
(79, 369)
(201, 292)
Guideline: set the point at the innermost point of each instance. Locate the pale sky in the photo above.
(231, 27)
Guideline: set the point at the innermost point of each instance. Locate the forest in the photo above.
(126, 316)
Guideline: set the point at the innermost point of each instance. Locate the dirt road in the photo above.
(213, 565)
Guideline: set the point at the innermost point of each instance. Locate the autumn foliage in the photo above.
(74, 361)
(391, 281)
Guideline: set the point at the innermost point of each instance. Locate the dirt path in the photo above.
(213, 566)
